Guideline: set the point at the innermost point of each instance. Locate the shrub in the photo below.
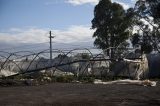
(65, 79)
(86, 79)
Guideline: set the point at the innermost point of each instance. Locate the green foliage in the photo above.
(135, 39)
(86, 79)
(148, 39)
(149, 8)
(64, 79)
(146, 48)
(112, 24)
(144, 40)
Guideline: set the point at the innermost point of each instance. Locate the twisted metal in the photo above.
(23, 62)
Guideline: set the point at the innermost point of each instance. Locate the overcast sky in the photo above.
(29, 21)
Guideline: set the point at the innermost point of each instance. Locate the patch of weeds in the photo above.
(86, 79)
(63, 79)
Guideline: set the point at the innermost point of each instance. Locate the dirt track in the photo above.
(69, 94)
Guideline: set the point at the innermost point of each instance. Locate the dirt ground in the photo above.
(70, 94)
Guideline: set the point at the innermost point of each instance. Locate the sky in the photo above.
(28, 22)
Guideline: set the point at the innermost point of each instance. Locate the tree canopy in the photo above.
(112, 24)
(147, 11)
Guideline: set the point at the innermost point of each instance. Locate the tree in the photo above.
(148, 8)
(112, 25)
(153, 9)
(142, 38)
(149, 37)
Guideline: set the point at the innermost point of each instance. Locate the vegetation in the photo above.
(114, 25)
(148, 35)
(86, 79)
(64, 79)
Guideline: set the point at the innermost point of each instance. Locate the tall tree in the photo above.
(149, 36)
(111, 23)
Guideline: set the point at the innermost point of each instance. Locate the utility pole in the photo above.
(50, 36)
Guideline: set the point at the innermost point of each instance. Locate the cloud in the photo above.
(81, 2)
(125, 5)
(94, 2)
(134, 0)
(37, 35)
(74, 34)
(53, 2)
(18, 35)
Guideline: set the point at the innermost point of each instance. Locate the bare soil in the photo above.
(72, 94)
